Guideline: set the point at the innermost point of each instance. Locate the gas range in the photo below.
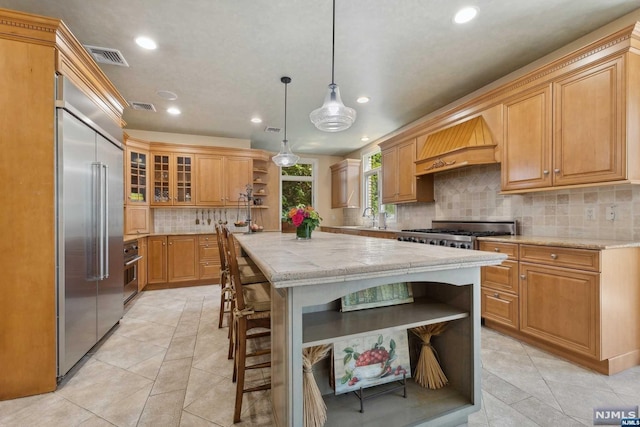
(457, 234)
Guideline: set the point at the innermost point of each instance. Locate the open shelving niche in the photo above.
(260, 182)
(433, 303)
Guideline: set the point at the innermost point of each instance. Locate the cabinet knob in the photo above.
(556, 170)
(163, 243)
(523, 277)
(496, 249)
(496, 295)
(546, 172)
(554, 256)
(171, 243)
(206, 246)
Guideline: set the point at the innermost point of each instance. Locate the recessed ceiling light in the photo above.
(146, 43)
(363, 100)
(256, 120)
(364, 139)
(174, 111)
(465, 15)
(167, 94)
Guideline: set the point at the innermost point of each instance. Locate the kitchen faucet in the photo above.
(373, 216)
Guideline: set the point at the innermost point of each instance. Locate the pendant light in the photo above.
(333, 116)
(285, 157)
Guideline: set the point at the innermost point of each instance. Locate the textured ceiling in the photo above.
(224, 58)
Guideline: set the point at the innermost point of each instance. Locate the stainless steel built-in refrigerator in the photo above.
(89, 225)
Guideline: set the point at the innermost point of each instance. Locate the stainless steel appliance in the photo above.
(131, 258)
(457, 234)
(89, 186)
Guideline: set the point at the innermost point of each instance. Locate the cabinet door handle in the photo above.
(546, 172)
(554, 256)
(556, 170)
(523, 277)
(496, 249)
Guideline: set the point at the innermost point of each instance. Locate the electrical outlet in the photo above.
(610, 213)
(590, 214)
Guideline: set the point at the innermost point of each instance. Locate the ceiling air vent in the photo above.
(144, 106)
(105, 55)
(272, 129)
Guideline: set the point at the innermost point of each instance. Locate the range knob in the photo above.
(442, 242)
(433, 242)
(400, 238)
(452, 245)
(423, 241)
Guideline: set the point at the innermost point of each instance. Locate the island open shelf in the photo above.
(309, 277)
(324, 327)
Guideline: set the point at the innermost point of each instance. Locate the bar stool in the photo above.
(249, 273)
(251, 310)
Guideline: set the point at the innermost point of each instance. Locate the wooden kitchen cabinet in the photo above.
(142, 264)
(500, 286)
(560, 306)
(572, 131)
(345, 184)
(208, 258)
(589, 131)
(172, 176)
(526, 161)
(399, 181)
(136, 193)
(182, 258)
(156, 259)
(581, 304)
(221, 179)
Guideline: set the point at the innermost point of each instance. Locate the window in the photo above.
(297, 184)
(372, 188)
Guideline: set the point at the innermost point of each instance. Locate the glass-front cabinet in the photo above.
(136, 204)
(137, 191)
(173, 175)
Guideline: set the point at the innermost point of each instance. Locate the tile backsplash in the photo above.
(183, 220)
(473, 194)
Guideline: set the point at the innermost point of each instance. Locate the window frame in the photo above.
(313, 179)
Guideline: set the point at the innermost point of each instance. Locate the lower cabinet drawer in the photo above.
(209, 270)
(500, 307)
(503, 277)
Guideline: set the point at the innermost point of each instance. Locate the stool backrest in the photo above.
(234, 270)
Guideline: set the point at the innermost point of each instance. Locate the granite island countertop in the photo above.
(331, 258)
(567, 242)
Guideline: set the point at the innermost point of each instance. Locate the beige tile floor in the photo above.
(165, 364)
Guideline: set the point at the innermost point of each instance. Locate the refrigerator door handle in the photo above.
(105, 230)
(98, 219)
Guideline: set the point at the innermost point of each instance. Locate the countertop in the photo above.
(568, 242)
(331, 257)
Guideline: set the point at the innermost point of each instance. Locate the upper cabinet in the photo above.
(526, 161)
(589, 126)
(136, 192)
(582, 142)
(345, 184)
(222, 179)
(172, 178)
(399, 181)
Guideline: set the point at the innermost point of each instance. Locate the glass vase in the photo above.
(304, 232)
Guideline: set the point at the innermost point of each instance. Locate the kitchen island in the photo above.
(309, 277)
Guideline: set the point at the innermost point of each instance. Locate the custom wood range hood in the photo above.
(467, 143)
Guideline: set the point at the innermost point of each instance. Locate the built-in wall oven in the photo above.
(131, 259)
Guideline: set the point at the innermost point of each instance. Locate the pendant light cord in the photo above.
(333, 41)
(285, 111)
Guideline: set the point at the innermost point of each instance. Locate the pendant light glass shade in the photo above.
(285, 157)
(333, 116)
